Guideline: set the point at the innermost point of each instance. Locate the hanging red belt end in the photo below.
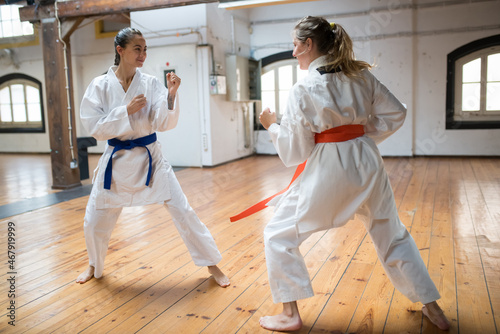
(263, 204)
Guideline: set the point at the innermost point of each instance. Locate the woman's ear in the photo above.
(309, 44)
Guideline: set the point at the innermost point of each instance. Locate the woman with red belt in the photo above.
(334, 119)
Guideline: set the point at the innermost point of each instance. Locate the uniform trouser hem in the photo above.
(207, 264)
(429, 299)
(287, 298)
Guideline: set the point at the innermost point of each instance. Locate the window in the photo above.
(21, 107)
(473, 92)
(277, 79)
(110, 25)
(13, 32)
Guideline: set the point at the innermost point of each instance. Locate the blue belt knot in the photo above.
(128, 145)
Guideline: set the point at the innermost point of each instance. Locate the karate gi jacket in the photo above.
(339, 179)
(104, 114)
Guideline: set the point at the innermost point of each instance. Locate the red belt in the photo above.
(334, 135)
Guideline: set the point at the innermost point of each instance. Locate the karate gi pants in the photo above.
(99, 223)
(396, 250)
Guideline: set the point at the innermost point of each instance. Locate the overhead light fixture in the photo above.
(240, 4)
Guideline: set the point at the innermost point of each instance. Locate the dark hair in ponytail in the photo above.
(123, 38)
(333, 41)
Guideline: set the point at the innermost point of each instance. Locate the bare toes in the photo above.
(85, 276)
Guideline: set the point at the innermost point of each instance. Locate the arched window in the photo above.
(473, 87)
(279, 73)
(21, 107)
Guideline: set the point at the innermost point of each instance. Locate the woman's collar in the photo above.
(318, 62)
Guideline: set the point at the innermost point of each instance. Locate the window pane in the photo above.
(19, 112)
(34, 113)
(17, 28)
(27, 28)
(7, 29)
(268, 100)
(472, 71)
(285, 77)
(267, 81)
(494, 67)
(32, 95)
(301, 73)
(15, 12)
(5, 11)
(17, 94)
(283, 100)
(4, 95)
(470, 96)
(5, 113)
(493, 96)
(10, 24)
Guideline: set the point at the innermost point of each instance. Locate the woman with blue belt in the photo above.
(126, 108)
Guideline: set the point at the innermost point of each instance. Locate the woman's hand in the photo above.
(173, 83)
(136, 104)
(267, 118)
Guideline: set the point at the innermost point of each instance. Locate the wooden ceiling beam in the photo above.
(88, 8)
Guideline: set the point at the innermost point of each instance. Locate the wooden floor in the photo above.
(150, 285)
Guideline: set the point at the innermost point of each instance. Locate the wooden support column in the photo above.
(65, 172)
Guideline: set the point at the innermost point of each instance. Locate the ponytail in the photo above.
(334, 42)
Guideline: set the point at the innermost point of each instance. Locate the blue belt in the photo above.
(128, 145)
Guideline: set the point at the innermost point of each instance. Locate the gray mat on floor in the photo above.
(35, 203)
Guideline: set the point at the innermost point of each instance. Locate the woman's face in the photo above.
(134, 53)
(301, 51)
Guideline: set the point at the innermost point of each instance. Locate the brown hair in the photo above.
(124, 37)
(333, 41)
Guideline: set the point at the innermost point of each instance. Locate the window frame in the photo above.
(476, 49)
(99, 28)
(20, 40)
(274, 63)
(19, 77)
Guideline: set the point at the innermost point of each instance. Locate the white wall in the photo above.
(228, 33)
(181, 146)
(356, 18)
(210, 130)
(407, 40)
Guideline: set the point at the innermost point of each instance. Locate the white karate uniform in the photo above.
(340, 180)
(104, 114)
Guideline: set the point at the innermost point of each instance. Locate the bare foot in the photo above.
(288, 320)
(86, 275)
(219, 276)
(434, 313)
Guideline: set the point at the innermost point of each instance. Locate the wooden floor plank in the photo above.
(405, 316)
(474, 306)
(450, 205)
(441, 263)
